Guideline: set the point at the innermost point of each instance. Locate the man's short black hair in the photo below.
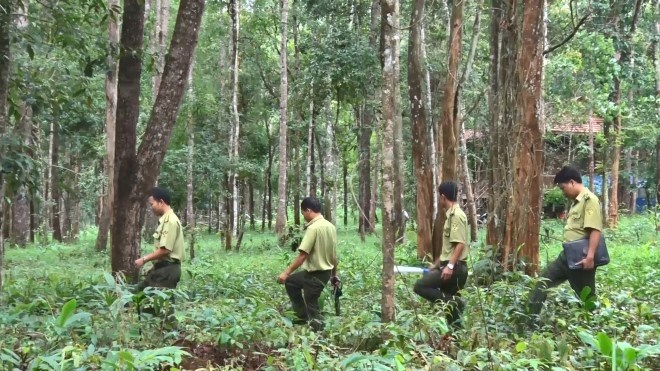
(449, 189)
(566, 174)
(311, 203)
(161, 194)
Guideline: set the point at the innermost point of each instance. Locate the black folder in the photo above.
(577, 250)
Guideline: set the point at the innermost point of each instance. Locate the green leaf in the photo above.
(630, 355)
(604, 344)
(76, 317)
(30, 51)
(521, 346)
(67, 312)
(354, 358)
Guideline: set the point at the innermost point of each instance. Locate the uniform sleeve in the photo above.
(458, 229)
(169, 235)
(307, 244)
(592, 215)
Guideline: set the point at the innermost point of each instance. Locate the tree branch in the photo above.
(569, 37)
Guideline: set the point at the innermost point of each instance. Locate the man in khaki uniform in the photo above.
(584, 221)
(168, 246)
(318, 260)
(449, 273)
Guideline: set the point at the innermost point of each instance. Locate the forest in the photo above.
(243, 108)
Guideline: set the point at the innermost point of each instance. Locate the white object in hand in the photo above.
(402, 269)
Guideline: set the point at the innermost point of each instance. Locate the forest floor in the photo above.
(60, 310)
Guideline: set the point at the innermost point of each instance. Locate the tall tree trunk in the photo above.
(5, 60)
(367, 124)
(137, 172)
(251, 205)
(399, 168)
(269, 173)
(75, 199)
(311, 181)
(449, 116)
(345, 188)
(389, 90)
(418, 119)
(656, 64)
(623, 40)
(430, 127)
(159, 40)
(20, 233)
(364, 166)
(466, 180)
(592, 160)
(190, 191)
(374, 184)
(280, 223)
(515, 104)
(234, 13)
(55, 182)
(296, 185)
(330, 165)
(110, 119)
(528, 160)
(502, 61)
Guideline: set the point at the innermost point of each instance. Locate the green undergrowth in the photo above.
(61, 310)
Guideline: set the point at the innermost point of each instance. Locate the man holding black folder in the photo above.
(584, 222)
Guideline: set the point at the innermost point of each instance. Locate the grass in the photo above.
(232, 313)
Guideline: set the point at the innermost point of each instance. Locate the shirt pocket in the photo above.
(576, 218)
(158, 233)
(447, 231)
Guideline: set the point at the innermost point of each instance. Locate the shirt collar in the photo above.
(164, 217)
(583, 193)
(451, 210)
(314, 220)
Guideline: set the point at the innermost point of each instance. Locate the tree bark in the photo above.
(190, 190)
(162, 8)
(20, 233)
(374, 184)
(280, 223)
(430, 127)
(528, 160)
(5, 61)
(330, 165)
(110, 119)
(364, 166)
(137, 172)
(389, 90)
(234, 13)
(311, 181)
(345, 188)
(367, 124)
(592, 160)
(296, 185)
(55, 182)
(449, 116)
(75, 199)
(399, 169)
(418, 119)
(466, 180)
(656, 64)
(251, 206)
(623, 40)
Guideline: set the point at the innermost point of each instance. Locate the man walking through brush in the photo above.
(318, 260)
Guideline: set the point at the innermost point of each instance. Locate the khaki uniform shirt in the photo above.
(169, 235)
(455, 231)
(585, 213)
(320, 243)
